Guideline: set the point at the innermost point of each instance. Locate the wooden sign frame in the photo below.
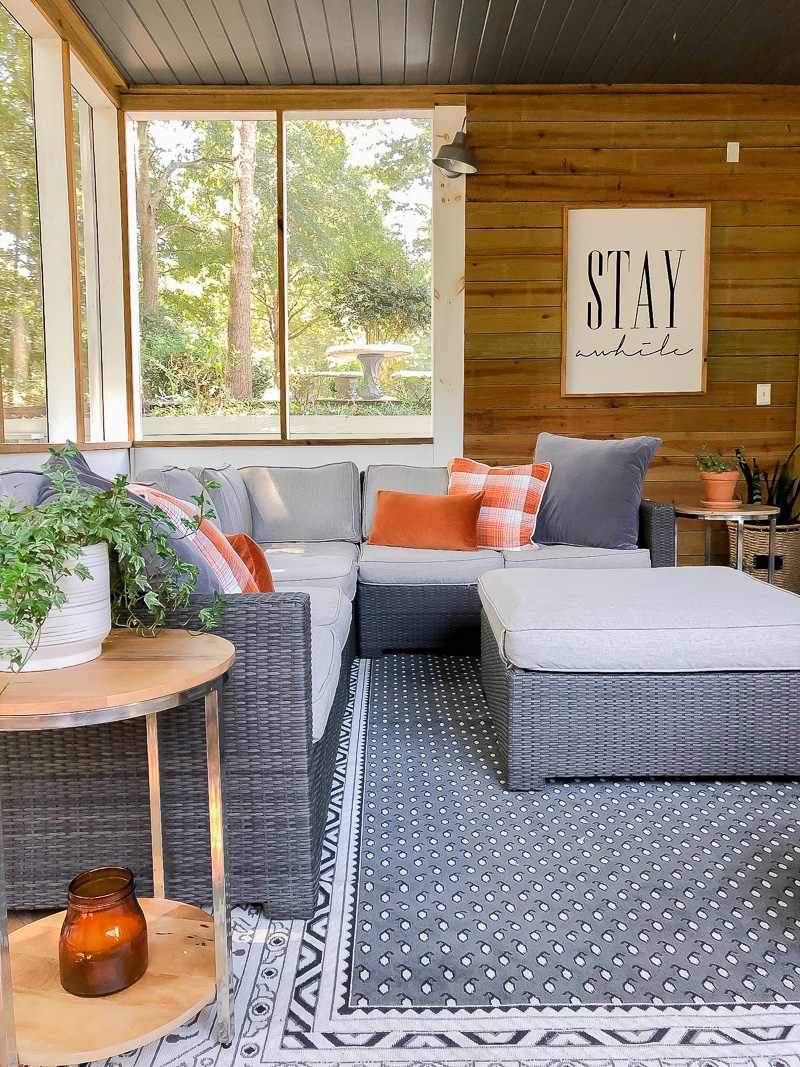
(564, 296)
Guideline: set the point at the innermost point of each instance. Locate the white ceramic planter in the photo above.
(74, 633)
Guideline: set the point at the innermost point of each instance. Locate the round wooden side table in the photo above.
(190, 959)
(740, 514)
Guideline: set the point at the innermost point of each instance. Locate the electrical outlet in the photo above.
(732, 153)
(764, 394)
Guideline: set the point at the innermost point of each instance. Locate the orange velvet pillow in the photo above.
(252, 555)
(414, 520)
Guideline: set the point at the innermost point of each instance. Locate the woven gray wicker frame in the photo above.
(436, 618)
(74, 799)
(446, 618)
(683, 725)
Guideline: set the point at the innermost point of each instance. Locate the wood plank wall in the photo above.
(538, 152)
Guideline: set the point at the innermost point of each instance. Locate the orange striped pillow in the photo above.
(512, 496)
(234, 577)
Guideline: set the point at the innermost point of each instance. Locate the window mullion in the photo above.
(58, 281)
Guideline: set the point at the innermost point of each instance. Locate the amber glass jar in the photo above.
(103, 944)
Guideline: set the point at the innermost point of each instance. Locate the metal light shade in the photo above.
(455, 159)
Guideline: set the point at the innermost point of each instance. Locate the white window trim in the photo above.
(56, 244)
(110, 253)
(448, 227)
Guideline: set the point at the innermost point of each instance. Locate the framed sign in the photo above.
(635, 300)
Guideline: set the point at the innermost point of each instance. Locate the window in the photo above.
(208, 253)
(357, 292)
(22, 356)
(359, 276)
(91, 374)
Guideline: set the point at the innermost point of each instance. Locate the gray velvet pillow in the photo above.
(594, 491)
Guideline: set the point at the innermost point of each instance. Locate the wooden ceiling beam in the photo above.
(72, 28)
(325, 97)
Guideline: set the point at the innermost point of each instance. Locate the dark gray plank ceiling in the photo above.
(395, 42)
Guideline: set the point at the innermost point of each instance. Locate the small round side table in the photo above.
(190, 959)
(740, 514)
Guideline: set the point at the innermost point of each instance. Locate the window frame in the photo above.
(55, 70)
(281, 114)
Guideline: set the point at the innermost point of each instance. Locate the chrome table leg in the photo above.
(154, 777)
(8, 1037)
(739, 543)
(222, 947)
(708, 543)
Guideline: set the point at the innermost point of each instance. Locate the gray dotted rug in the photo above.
(594, 923)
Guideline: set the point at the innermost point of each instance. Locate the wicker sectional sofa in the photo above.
(76, 799)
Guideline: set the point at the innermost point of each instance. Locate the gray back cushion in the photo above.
(594, 491)
(230, 502)
(174, 481)
(22, 486)
(304, 503)
(427, 481)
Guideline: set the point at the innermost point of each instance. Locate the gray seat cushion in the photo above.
(174, 481)
(594, 491)
(323, 564)
(380, 565)
(21, 486)
(329, 607)
(305, 503)
(642, 621)
(230, 502)
(576, 557)
(326, 661)
(429, 481)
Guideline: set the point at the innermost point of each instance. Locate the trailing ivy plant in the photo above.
(40, 545)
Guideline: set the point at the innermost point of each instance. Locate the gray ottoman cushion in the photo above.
(594, 491)
(230, 502)
(576, 557)
(381, 565)
(305, 503)
(641, 621)
(427, 481)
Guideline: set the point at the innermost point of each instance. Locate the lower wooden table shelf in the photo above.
(54, 1027)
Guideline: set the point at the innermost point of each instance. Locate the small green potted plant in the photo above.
(80, 562)
(719, 477)
(778, 488)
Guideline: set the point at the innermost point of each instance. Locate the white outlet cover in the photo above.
(732, 152)
(763, 394)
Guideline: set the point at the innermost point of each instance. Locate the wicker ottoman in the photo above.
(678, 672)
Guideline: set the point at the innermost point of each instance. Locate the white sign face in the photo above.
(635, 301)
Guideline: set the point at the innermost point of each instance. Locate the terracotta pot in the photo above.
(719, 488)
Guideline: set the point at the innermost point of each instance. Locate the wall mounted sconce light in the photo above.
(455, 159)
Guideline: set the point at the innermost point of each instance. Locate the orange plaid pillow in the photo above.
(512, 496)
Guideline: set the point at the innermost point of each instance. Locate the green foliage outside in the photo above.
(21, 322)
(358, 233)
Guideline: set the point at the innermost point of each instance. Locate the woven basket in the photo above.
(756, 543)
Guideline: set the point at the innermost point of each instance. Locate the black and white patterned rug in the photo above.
(595, 923)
